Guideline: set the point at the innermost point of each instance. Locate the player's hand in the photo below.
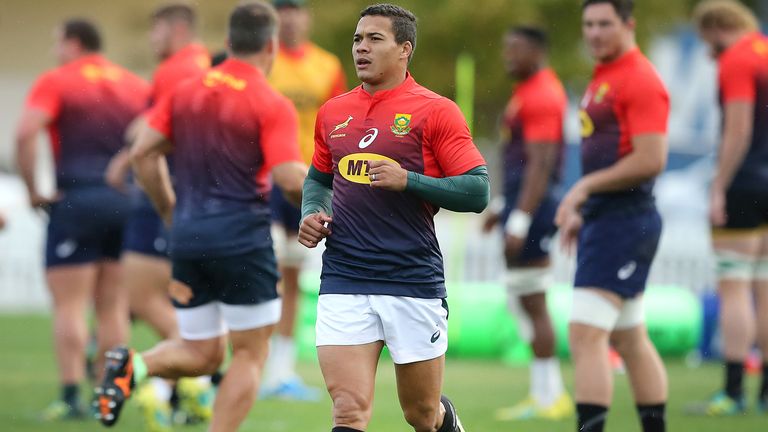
(2, 222)
(717, 215)
(167, 218)
(569, 231)
(490, 221)
(37, 201)
(571, 203)
(180, 292)
(387, 175)
(117, 173)
(313, 229)
(513, 246)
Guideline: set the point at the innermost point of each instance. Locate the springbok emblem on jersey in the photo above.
(401, 125)
(342, 125)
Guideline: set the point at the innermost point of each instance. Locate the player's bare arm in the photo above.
(151, 168)
(737, 135)
(117, 170)
(31, 123)
(542, 158)
(289, 177)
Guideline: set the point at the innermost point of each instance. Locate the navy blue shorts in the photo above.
(746, 209)
(145, 232)
(283, 212)
(246, 279)
(615, 252)
(86, 226)
(543, 228)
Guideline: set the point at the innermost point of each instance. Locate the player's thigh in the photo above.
(419, 384)
(349, 372)
(253, 343)
(145, 276)
(594, 314)
(109, 292)
(72, 285)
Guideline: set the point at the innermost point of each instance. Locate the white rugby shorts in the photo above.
(413, 329)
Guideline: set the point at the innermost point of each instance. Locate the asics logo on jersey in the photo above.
(354, 167)
(368, 139)
(435, 336)
(627, 271)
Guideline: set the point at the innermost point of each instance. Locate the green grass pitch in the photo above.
(28, 383)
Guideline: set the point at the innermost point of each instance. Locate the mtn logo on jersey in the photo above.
(340, 126)
(402, 124)
(587, 125)
(354, 167)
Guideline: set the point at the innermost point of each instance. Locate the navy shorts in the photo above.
(543, 228)
(615, 252)
(145, 232)
(283, 212)
(246, 279)
(86, 226)
(746, 209)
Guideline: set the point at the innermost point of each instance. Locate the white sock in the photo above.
(281, 364)
(162, 389)
(546, 381)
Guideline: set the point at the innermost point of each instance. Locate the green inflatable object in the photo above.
(481, 326)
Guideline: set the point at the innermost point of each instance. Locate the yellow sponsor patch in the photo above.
(354, 167)
(587, 126)
(216, 77)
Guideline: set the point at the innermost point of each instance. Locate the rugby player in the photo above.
(229, 131)
(86, 104)
(611, 214)
(388, 155)
(146, 268)
(533, 123)
(307, 75)
(738, 197)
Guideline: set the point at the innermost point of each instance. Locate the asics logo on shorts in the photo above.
(627, 271)
(66, 248)
(368, 139)
(435, 336)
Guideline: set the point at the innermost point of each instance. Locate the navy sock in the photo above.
(734, 379)
(591, 418)
(70, 393)
(652, 417)
(344, 429)
(764, 386)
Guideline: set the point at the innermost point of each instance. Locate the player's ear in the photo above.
(631, 23)
(406, 50)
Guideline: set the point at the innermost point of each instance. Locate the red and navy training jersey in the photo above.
(743, 77)
(90, 102)
(190, 62)
(534, 115)
(626, 98)
(229, 129)
(384, 242)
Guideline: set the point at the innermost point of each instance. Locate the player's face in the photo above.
(160, 38)
(605, 32)
(378, 57)
(294, 25)
(520, 57)
(714, 39)
(65, 50)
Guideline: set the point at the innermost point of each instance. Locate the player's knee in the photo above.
(350, 407)
(421, 416)
(630, 343)
(584, 338)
